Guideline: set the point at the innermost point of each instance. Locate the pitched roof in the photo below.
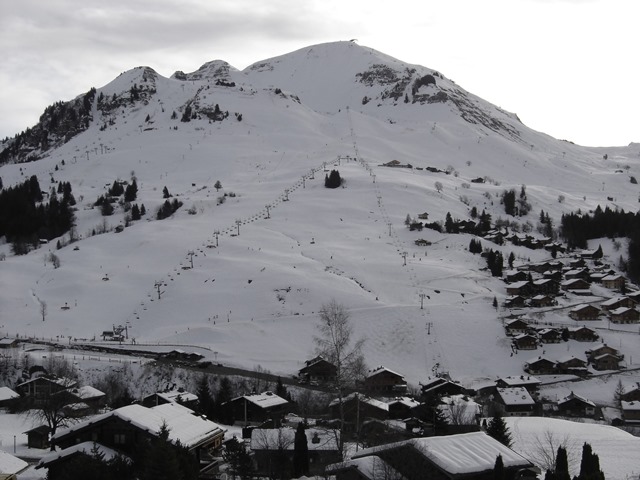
(276, 438)
(381, 369)
(190, 429)
(515, 396)
(7, 394)
(265, 399)
(363, 398)
(173, 395)
(573, 396)
(84, 447)
(10, 465)
(516, 381)
(459, 454)
(371, 468)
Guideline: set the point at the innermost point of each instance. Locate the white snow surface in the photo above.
(10, 465)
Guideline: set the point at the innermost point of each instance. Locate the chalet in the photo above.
(524, 341)
(323, 446)
(57, 462)
(545, 286)
(577, 263)
(519, 288)
(401, 407)
(397, 164)
(550, 335)
(602, 349)
(542, 301)
(631, 411)
(384, 380)
(515, 301)
(541, 267)
(606, 361)
(576, 406)
(540, 366)
(513, 276)
(530, 383)
(423, 216)
(624, 315)
(319, 370)
(38, 437)
(576, 286)
(516, 327)
(39, 389)
(11, 466)
(553, 275)
(577, 273)
(178, 354)
(635, 296)
(632, 395)
(571, 365)
(431, 457)
(85, 398)
(357, 406)
(439, 387)
(6, 396)
(258, 407)
(617, 302)
(584, 312)
(8, 342)
(614, 282)
(514, 401)
(582, 334)
(175, 395)
(127, 430)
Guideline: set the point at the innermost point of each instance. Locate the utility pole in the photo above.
(238, 222)
(429, 325)
(158, 286)
(191, 253)
(268, 207)
(389, 225)
(422, 295)
(404, 256)
(216, 233)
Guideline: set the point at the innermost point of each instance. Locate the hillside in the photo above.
(256, 285)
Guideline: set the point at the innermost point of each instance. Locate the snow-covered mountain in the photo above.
(272, 245)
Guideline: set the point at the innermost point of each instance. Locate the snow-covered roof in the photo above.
(516, 381)
(7, 341)
(539, 359)
(87, 392)
(518, 284)
(612, 301)
(407, 401)
(621, 310)
(612, 277)
(183, 424)
(572, 395)
(172, 396)
(515, 396)
(10, 465)
(62, 381)
(7, 394)
(363, 398)
(459, 454)
(84, 447)
(381, 369)
(265, 399)
(581, 307)
(283, 438)
(371, 468)
(569, 358)
(635, 405)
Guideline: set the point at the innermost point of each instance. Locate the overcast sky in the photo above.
(569, 68)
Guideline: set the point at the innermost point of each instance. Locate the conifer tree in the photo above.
(498, 469)
(561, 471)
(300, 452)
(498, 429)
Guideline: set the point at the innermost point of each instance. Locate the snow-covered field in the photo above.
(281, 244)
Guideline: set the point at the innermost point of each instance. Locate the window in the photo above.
(119, 439)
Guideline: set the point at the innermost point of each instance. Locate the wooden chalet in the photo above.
(576, 406)
(624, 315)
(550, 335)
(606, 361)
(513, 276)
(635, 296)
(603, 349)
(540, 366)
(545, 286)
(9, 342)
(529, 382)
(523, 288)
(431, 457)
(319, 370)
(515, 301)
(577, 273)
(11, 467)
(401, 407)
(440, 387)
(383, 380)
(86, 399)
(323, 448)
(617, 302)
(40, 389)
(128, 430)
(514, 401)
(614, 282)
(632, 395)
(631, 411)
(258, 407)
(542, 301)
(516, 327)
(584, 312)
(524, 341)
(571, 365)
(358, 407)
(174, 395)
(583, 334)
(6, 396)
(553, 275)
(577, 286)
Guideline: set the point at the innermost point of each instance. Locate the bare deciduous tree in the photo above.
(545, 448)
(43, 310)
(334, 343)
